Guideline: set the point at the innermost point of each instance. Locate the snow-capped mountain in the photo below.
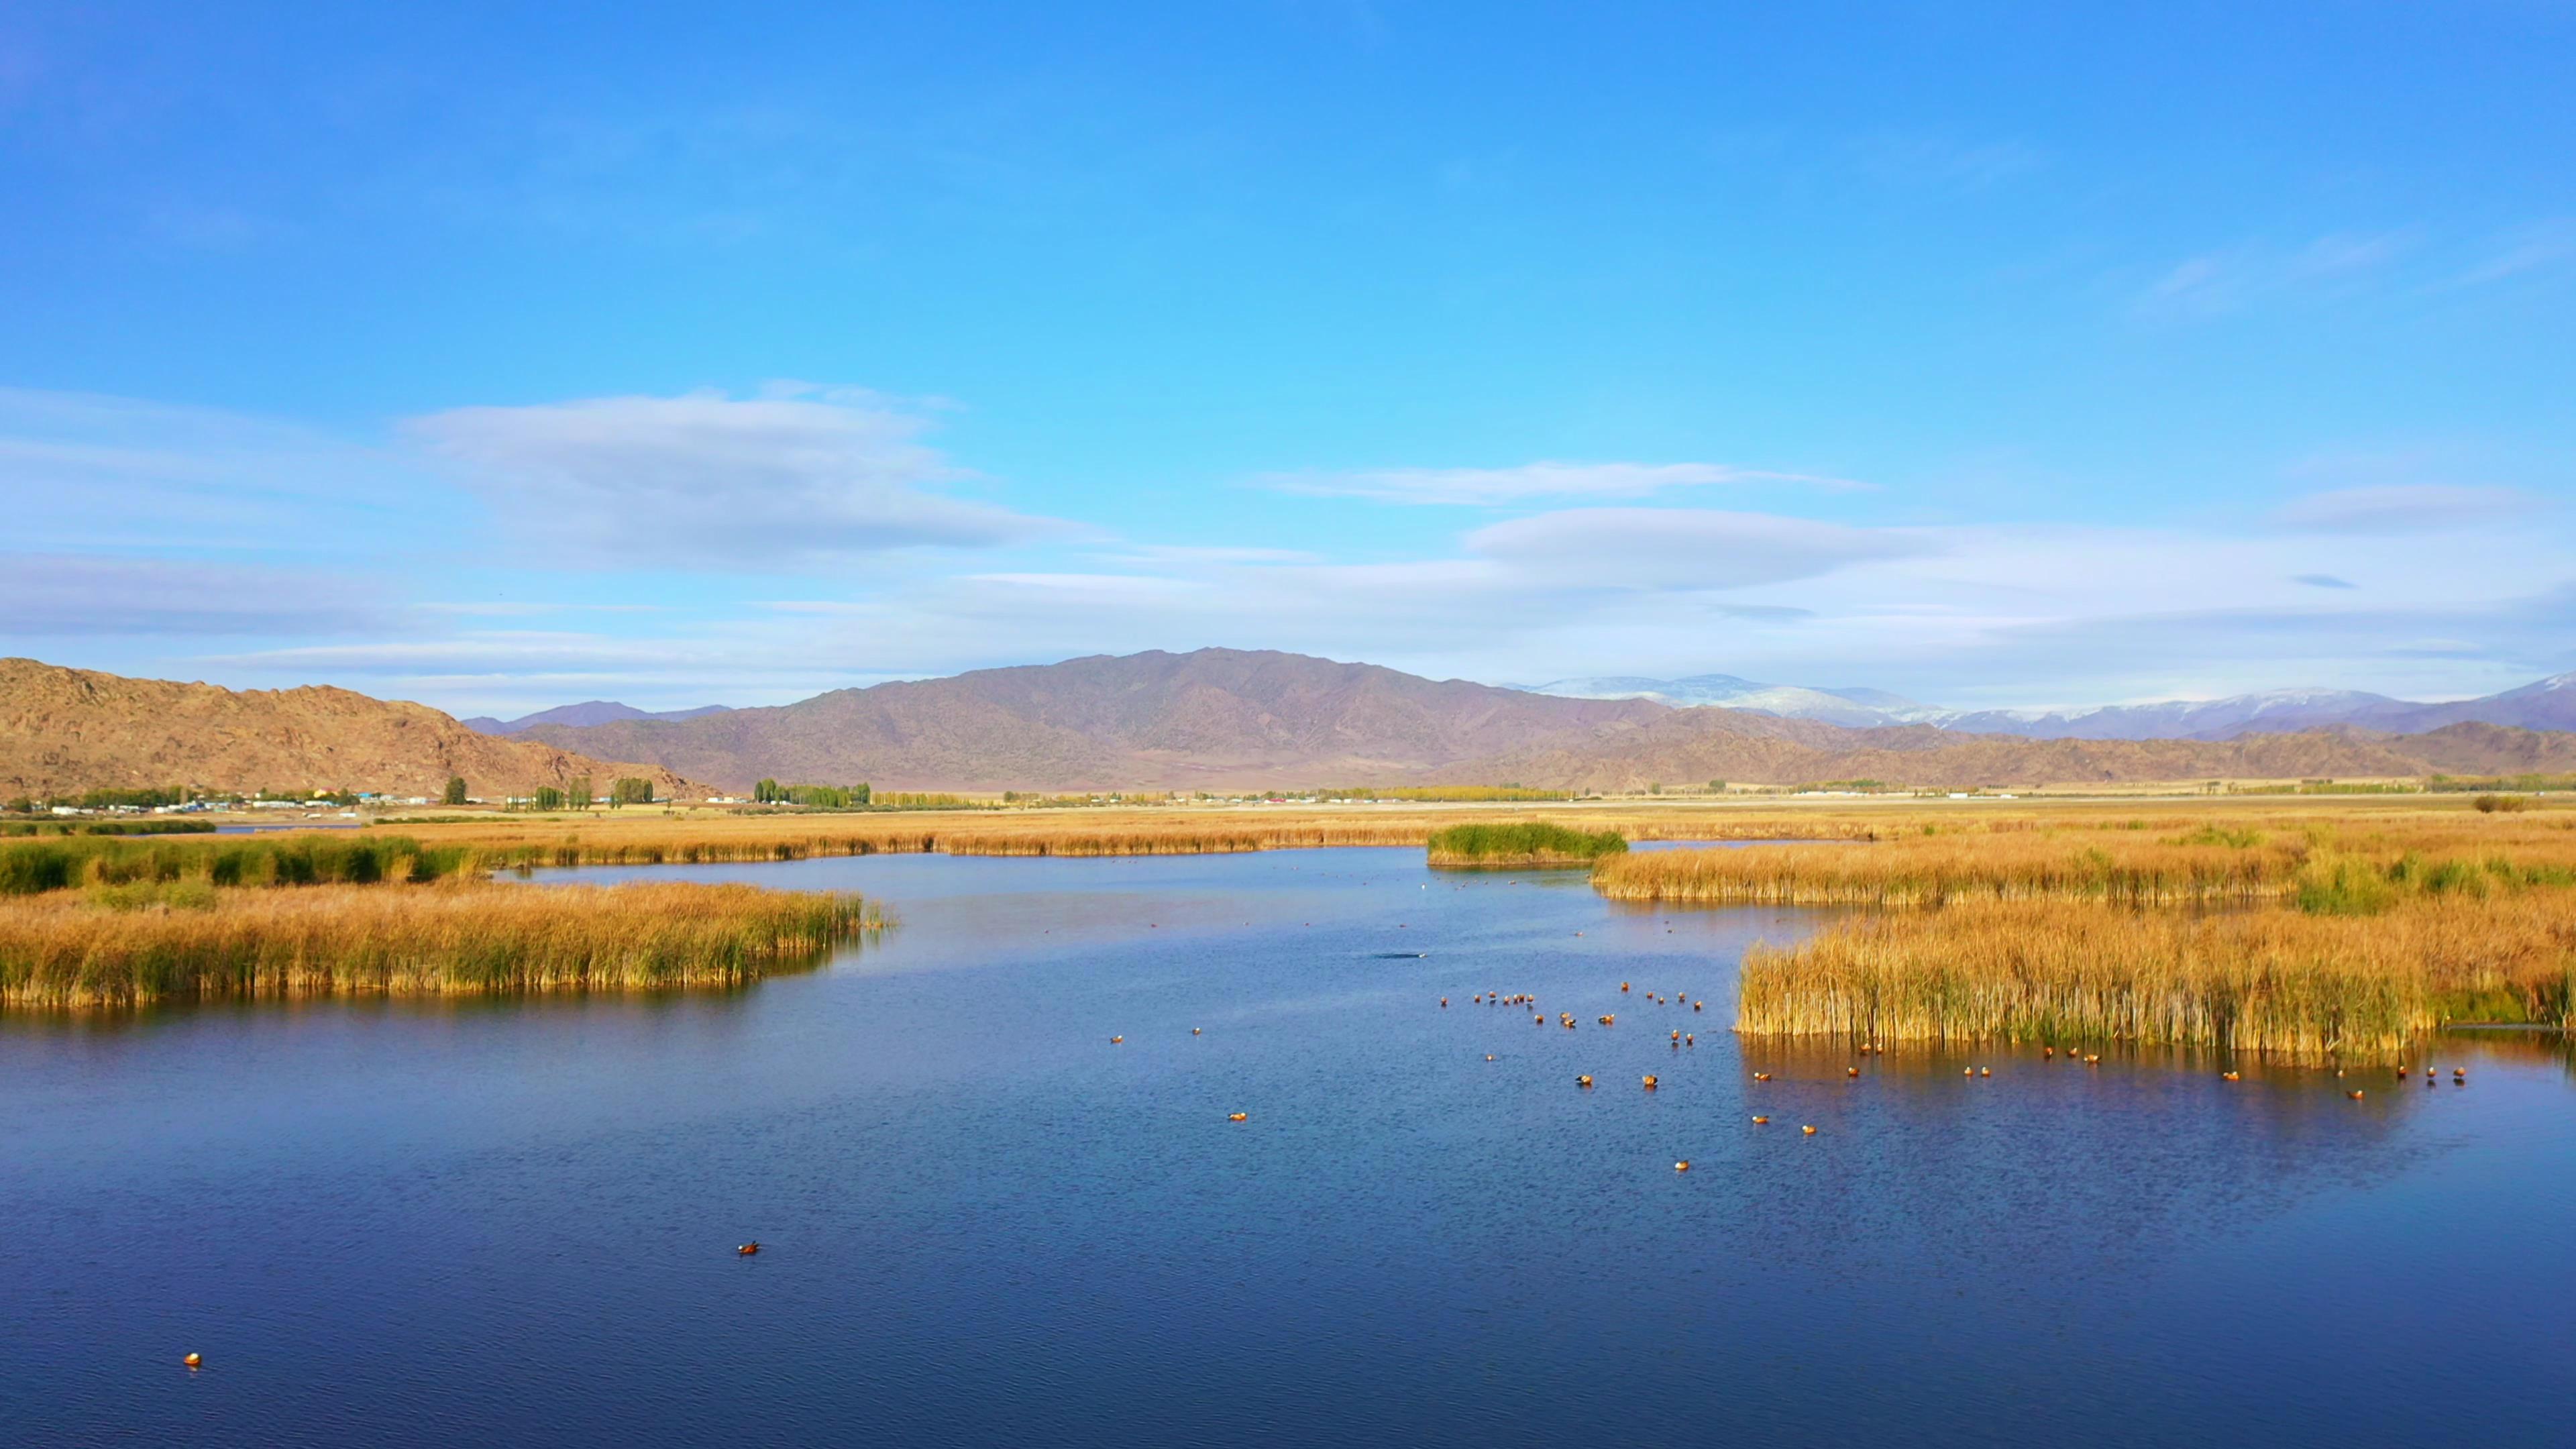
(2547, 704)
(2276, 711)
(1855, 707)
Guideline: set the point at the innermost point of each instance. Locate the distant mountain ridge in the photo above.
(1224, 718)
(588, 712)
(2547, 704)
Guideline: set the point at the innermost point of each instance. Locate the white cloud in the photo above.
(2403, 507)
(1530, 482)
(718, 482)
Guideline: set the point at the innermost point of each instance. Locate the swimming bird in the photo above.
(1682, 1166)
(2460, 1075)
(1605, 1021)
(1696, 1005)
(1761, 1121)
(2355, 1094)
(1622, 985)
(1238, 1117)
(193, 1360)
(748, 1249)
(1489, 1056)
(1810, 1131)
(2230, 1077)
(1967, 1071)
(1677, 1036)
(1650, 1081)
(1444, 1001)
(1194, 1031)
(1583, 1081)
(1985, 1071)
(1761, 1076)
(1115, 1040)
(1691, 1040)
(1851, 1071)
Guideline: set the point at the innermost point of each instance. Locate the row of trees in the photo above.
(578, 795)
(830, 797)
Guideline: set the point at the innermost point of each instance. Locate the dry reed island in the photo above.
(2310, 927)
(93, 922)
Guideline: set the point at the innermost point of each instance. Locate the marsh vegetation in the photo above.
(148, 941)
(1522, 844)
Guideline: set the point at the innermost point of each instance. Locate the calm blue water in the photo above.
(984, 1224)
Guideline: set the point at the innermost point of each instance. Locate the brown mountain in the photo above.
(1222, 717)
(1154, 720)
(67, 730)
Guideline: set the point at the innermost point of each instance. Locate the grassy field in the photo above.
(145, 942)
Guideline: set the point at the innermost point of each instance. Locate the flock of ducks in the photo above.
(1680, 1039)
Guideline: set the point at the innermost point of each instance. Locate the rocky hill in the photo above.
(67, 730)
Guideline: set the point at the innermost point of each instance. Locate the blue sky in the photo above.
(1993, 354)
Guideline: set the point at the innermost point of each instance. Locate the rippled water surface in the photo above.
(983, 1223)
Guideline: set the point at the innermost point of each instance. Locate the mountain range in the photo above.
(2547, 704)
(1213, 719)
(1232, 718)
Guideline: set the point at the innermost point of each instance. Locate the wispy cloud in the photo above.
(2322, 581)
(2232, 279)
(56, 595)
(1545, 480)
(719, 482)
(1683, 548)
(1912, 160)
(2402, 507)
(2527, 249)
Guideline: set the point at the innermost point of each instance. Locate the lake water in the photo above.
(483, 1223)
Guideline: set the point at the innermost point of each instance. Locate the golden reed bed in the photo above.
(2240, 861)
(2258, 981)
(136, 946)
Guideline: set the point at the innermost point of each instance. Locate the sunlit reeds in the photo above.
(1939, 870)
(143, 942)
(2268, 980)
(2321, 868)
